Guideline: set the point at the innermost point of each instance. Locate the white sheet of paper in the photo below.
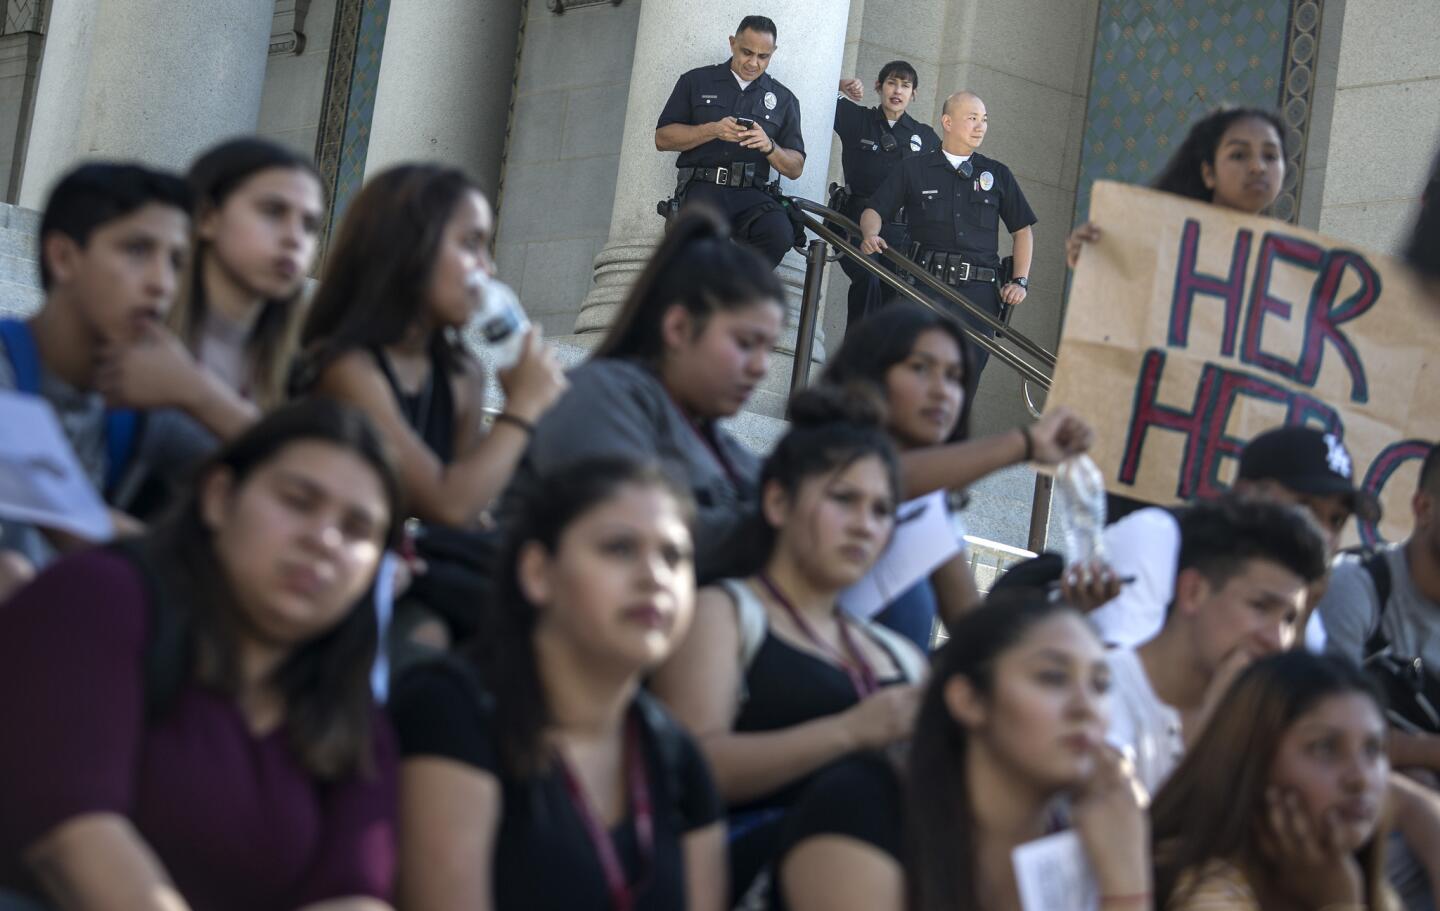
(41, 480)
(924, 538)
(1054, 875)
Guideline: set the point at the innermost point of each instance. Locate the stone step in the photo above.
(16, 218)
(17, 299)
(19, 243)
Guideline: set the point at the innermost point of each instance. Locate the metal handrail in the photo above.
(1030, 372)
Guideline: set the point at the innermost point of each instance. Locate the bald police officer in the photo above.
(873, 141)
(736, 128)
(954, 200)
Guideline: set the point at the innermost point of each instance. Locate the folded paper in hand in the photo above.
(924, 538)
(1054, 875)
(41, 480)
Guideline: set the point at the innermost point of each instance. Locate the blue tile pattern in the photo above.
(360, 107)
(1159, 65)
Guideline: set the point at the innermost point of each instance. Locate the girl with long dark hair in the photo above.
(775, 679)
(1279, 803)
(1008, 740)
(384, 333)
(537, 773)
(919, 360)
(689, 347)
(258, 209)
(1232, 157)
(194, 707)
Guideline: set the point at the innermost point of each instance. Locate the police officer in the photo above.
(954, 200)
(873, 141)
(735, 129)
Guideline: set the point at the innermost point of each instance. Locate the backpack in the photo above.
(122, 425)
(1412, 691)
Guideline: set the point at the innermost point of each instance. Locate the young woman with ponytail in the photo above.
(536, 773)
(689, 347)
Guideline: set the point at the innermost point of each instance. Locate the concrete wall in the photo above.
(563, 156)
(295, 84)
(1382, 138)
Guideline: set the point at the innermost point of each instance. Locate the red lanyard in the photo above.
(862, 677)
(622, 891)
(709, 444)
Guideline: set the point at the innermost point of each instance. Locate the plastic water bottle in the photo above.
(1080, 489)
(500, 321)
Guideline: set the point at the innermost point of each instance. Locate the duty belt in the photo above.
(738, 174)
(952, 269)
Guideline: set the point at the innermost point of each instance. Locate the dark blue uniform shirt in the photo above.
(950, 212)
(862, 154)
(711, 93)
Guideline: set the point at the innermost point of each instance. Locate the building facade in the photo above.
(551, 104)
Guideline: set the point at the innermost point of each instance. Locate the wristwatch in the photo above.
(1022, 281)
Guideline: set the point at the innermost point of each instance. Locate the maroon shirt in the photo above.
(236, 820)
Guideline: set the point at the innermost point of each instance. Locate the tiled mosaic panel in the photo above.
(1162, 64)
(23, 16)
(360, 110)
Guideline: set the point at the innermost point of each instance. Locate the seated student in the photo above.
(1009, 740)
(1240, 585)
(257, 221)
(918, 360)
(402, 280)
(112, 244)
(1390, 597)
(194, 706)
(775, 679)
(689, 346)
(1280, 802)
(537, 773)
(1298, 466)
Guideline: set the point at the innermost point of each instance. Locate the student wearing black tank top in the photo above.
(384, 334)
(536, 772)
(811, 685)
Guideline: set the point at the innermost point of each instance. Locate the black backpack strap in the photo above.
(1377, 565)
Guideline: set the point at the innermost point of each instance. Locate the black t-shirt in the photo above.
(862, 147)
(948, 211)
(711, 93)
(543, 856)
(859, 797)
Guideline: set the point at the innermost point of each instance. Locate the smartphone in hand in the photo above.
(746, 123)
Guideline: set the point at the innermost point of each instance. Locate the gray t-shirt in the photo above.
(1350, 610)
(82, 418)
(169, 445)
(618, 408)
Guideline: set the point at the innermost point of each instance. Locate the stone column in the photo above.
(678, 35)
(149, 80)
(445, 81)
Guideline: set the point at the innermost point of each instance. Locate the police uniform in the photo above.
(870, 148)
(724, 174)
(954, 221)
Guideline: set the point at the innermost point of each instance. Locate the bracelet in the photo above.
(1029, 444)
(506, 417)
(772, 149)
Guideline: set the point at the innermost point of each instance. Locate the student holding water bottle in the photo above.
(403, 280)
(406, 275)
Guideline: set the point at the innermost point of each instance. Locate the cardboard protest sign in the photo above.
(1191, 328)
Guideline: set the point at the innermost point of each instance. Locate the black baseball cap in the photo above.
(1307, 460)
